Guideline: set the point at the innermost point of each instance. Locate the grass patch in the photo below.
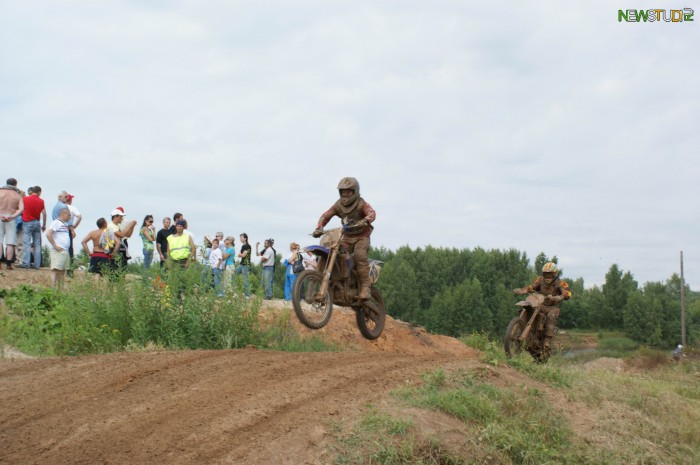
(547, 373)
(645, 416)
(128, 313)
(379, 438)
(281, 335)
(512, 426)
(615, 345)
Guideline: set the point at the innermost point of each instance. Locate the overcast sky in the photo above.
(539, 126)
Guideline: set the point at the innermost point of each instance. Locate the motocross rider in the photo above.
(356, 215)
(555, 290)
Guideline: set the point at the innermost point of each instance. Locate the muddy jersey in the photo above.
(363, 210)
(558, 287)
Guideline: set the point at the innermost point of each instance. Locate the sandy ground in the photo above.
(246, 406)
(207, 407)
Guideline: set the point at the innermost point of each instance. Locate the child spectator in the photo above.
(212, 269)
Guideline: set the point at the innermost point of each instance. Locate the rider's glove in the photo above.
(318, 232)
(355, 228)
(519, 291)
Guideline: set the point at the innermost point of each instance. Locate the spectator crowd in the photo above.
(23, 219)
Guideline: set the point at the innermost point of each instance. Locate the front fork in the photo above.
(528, 326)
(326, 281)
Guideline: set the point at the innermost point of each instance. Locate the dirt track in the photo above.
(208, 407)
(239, 406)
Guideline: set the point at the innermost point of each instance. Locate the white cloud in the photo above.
(537, 127)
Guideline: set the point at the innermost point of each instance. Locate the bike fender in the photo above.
(318, 250)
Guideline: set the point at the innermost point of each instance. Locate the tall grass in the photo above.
(648, 415)
(176, 311)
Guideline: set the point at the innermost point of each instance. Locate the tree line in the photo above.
(458, 291)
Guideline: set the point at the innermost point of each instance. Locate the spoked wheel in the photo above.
(511, 344)
(371, 315)
(313, 309)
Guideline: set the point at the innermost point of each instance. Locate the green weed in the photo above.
(175, 311)
(281, 335)
(519, 428)
(494, 355)
(380, 438)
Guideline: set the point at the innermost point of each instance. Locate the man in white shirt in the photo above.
(58, 235)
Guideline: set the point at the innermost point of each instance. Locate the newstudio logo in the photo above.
(656, 15)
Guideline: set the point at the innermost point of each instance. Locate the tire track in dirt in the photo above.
(84, 372)
(239, 406)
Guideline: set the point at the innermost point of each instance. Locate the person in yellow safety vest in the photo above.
(181, 247)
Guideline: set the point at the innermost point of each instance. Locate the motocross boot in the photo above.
(365, 292)
(547, 344)
(547, 341)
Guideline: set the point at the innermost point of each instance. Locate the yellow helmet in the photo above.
(550, 267)
(550, 272)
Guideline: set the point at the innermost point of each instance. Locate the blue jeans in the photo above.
(268, 276)
(147, 258)
(212, 277)
(216, 272)
(289, 285)
(31, 234)
(245, 271)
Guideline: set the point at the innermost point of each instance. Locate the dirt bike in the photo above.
(335, 281)
(527, 329)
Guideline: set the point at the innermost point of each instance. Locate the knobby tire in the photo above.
(369, 322)
(312, 313)
(511, 344)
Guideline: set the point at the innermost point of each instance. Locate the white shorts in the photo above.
(59, 260)
(8, 232)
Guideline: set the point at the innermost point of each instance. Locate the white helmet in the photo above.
(680, 346)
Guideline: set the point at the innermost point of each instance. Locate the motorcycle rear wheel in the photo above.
(313, 310)
(511, 344)
(370, 322)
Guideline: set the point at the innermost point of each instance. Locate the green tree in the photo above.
(616, 290)
(642, 318)
(400, 290)
(540, 260)
(593, 304)
(502, 305)
(574, 313)
(460, 310)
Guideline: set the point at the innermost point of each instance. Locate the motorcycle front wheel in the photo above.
(511, 344)
(311, 307)
(371, 316)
